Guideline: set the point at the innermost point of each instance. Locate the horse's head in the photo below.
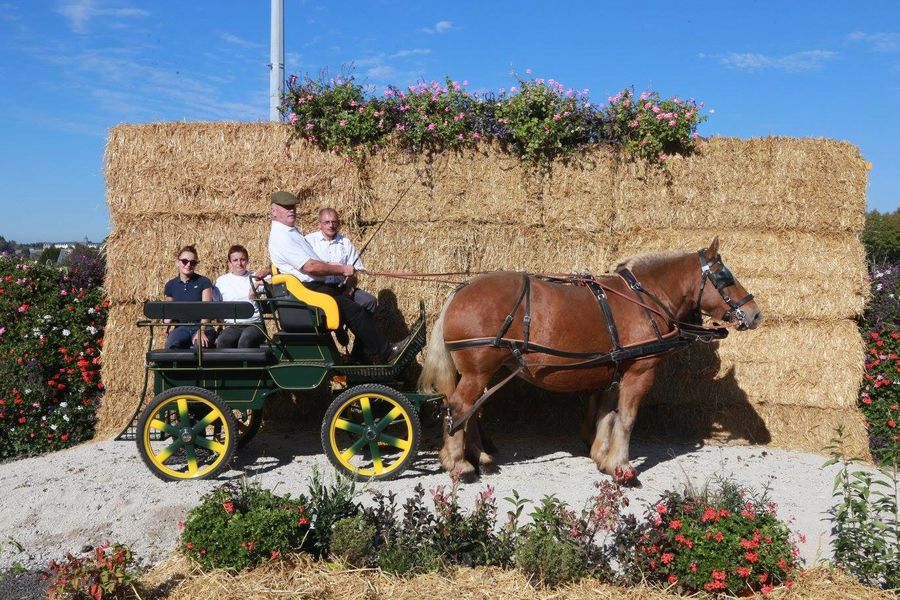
(726, 299)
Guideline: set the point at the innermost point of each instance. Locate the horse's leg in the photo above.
(589, 422)
(605, 417)
(636, 382)
(476, 447)
(453, 454)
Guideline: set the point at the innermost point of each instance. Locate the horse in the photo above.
(605, 334)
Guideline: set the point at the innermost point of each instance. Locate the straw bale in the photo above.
(803, 428)
(580, 193)
(301, 577)
(778, 183)
(141, 253)
(470, 186)
(214, 169)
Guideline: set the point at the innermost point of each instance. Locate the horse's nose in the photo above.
(756, 320)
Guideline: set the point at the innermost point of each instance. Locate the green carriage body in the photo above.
(210, 400)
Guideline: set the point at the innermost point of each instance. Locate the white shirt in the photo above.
(289, 251)
(234, 288)
(339, 250)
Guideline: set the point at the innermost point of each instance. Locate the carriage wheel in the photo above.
(371, 432)
(248, 421)
(186, 433)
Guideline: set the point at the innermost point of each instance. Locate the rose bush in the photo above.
(51, 334)
(879, 397)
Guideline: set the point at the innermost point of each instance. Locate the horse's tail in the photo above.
(439, 371)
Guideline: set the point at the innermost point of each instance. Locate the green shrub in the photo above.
(51, 335)
(105, 573)
(328, 504)
(720, 541)
(405, 546)
(549, 560)
(881, 237)
(866, 532)
(352, 540)
(237, 527)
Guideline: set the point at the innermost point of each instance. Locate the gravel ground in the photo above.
(101, 491)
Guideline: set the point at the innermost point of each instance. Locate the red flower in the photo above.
(874, 335)
(228, 506)
(667, 557)
(891, 423)
(275, 555)
(302, 521)
(719, 536)
(675, 524)
(743, 571)
(672, 578)
(693, 567)
(751, 556)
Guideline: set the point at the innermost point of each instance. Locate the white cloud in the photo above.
(439, 27)
(882, 42)
(238, 41)
(798, 61)
(412, 52)
(80, 12)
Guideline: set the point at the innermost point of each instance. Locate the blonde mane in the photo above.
(648, 260)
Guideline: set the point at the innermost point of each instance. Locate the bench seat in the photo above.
(214, 356)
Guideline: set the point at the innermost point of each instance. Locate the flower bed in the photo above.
(51, 335)
(538, 119)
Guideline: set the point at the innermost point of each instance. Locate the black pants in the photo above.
(357, 319)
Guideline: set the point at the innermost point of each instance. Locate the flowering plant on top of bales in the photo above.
(538, 119)
(51, 333)
(721, 542)
(880, 393)
(654, 128)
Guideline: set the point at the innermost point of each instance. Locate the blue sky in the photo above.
(71, 69)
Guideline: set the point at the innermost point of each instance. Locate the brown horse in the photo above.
(580, 334)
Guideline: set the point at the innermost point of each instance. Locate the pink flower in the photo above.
(293, 118)
(342, 122)
(431, 126)
(673, 123)
(661, 509)
(309, 126)
(2, 330)
(401, 127)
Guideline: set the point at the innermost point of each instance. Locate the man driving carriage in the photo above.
(292, 254)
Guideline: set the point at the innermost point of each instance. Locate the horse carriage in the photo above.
(208, 401)
(606, 334)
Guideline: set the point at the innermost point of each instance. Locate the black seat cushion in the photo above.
(214, 356)
(194, 311)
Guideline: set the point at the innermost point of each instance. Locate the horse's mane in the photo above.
(649, 260)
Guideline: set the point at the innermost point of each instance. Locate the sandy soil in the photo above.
(102, 491)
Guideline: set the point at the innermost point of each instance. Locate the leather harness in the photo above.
(681, 335)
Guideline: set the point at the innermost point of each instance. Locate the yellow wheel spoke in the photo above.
(347, 454)
(394, 441)
(164, 427)
(378, 465)
(215, 446)
(168, 451)
(350, 426)
(389, 418)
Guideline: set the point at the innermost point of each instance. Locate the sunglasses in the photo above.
(186, 262)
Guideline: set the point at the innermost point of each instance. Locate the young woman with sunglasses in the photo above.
(189, 286)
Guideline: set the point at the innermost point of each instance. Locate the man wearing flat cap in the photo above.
(294, 255)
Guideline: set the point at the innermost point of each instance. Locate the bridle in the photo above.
(722, 279)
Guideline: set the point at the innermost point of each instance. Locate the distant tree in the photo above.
(7, 245)
(50, 255)
(881, 237)
(87, 267)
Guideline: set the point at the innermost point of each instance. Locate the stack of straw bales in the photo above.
(788, 213)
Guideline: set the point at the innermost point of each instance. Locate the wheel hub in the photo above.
(186, 436)
(371, 434)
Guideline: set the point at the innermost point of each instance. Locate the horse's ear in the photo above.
(713, 250)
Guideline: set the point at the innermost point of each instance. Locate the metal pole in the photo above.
(276, 66)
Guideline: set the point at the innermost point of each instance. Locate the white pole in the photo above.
(276, 67)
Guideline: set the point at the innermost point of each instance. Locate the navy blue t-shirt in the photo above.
(190, 290)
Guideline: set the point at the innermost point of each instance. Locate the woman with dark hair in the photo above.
(189, 286)
(237, 285)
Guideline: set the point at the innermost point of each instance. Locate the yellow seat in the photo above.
(304, 294)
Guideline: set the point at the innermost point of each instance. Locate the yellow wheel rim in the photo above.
(371, 435)
(186, 437)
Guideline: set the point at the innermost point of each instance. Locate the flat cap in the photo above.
(284, 198)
